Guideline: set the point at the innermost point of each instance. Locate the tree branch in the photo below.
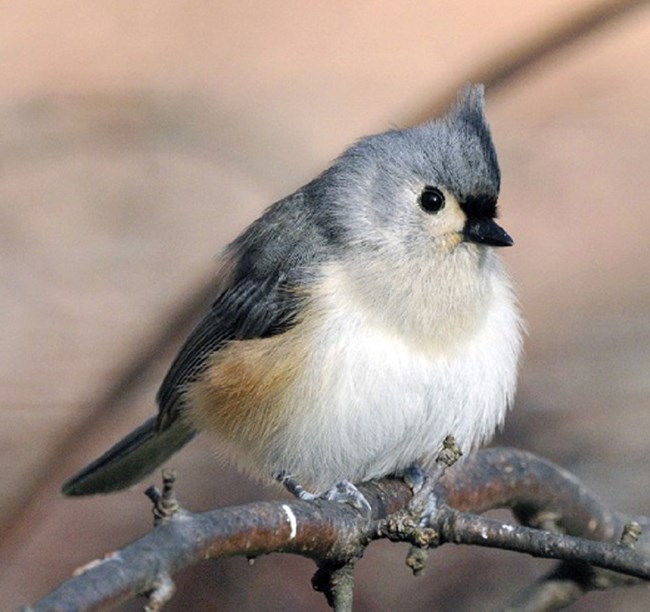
(335, 535)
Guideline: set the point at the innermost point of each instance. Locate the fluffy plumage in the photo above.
(354, 329)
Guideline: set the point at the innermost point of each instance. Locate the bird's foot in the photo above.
(343, 492)
(415, 477)
(346, 493)
(423, 504)
(293, 486)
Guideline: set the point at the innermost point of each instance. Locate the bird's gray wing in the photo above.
(267, 268)
(245, 309)
(258, 296)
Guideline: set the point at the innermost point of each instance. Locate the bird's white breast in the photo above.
(373, 399)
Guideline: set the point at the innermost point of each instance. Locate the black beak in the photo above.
(483, 230)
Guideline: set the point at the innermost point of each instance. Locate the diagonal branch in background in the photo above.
(335, 535)
(172, 329)
(507, 64)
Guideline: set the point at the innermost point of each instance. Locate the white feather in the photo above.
(389, 379)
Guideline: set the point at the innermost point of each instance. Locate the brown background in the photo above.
(136, 139)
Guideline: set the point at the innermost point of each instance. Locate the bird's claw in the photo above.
(343, 492)
(414, 476)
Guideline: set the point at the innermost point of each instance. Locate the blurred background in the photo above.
(137, 139)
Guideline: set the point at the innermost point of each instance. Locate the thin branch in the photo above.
(564, 585)
(463, 528)
(336, 582)
(320, 530)
(572, 579)
(335, 535)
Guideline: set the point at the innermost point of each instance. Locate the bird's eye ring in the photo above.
(432, 200)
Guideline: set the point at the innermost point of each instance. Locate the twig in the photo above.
(572, 579)
(335, 535)
(463, 528)
(336, 582)
(161, 594)
(165, 504)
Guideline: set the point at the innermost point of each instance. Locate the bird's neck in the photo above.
(435, 303)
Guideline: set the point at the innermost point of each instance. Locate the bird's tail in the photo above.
(131, 459)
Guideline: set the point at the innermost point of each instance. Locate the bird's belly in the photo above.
(369, 403)
(339, 396)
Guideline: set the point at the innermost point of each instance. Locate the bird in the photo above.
(356, 323)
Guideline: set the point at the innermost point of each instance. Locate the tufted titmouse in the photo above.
(357, 323)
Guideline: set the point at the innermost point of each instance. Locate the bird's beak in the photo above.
(484, 230)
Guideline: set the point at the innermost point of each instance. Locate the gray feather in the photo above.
(130, 460)
(274, 258)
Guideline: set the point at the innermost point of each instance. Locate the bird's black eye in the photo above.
(432, 199)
